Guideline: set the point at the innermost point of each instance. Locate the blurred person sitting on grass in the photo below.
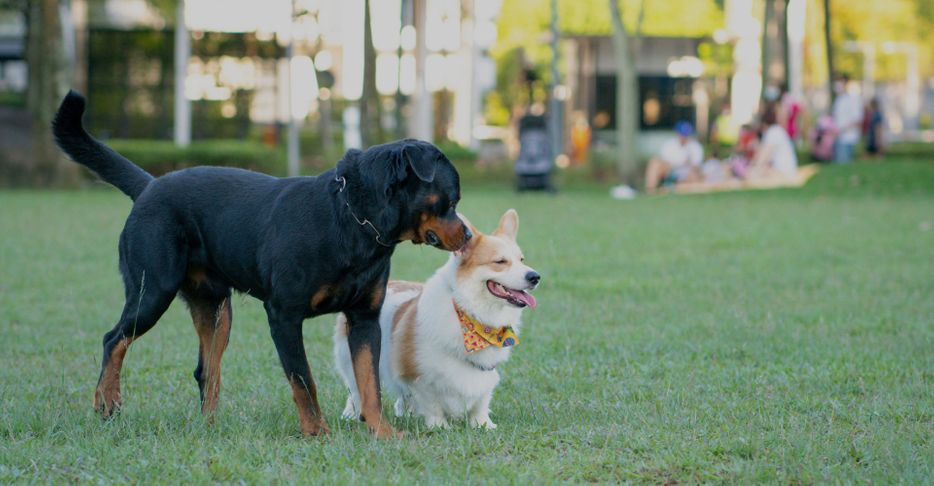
(679, 160)
(775, 154)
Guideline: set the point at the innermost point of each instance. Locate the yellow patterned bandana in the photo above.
(479, 336)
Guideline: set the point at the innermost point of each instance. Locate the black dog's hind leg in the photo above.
(212, 317)
(286, 330)
(151, 279)
(364, 340)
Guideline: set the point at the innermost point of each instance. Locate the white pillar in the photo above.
(913, 84)
(747, 59)
(464, 89)
(182, 131)
(353, 16)
(421, 126)
(292, 149)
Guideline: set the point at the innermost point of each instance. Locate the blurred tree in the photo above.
(625, 48)
(666, 18)
(828, 46)
(522, 37)
(873, 21)
(48, 82)
(786, 45)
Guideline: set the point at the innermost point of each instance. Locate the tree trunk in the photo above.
(555, 120)
(627, 109)
(828, 45)
(766, 43)
(47, 86)
(786, 46)
(181, 119)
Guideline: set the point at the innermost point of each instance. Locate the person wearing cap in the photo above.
(679, 160)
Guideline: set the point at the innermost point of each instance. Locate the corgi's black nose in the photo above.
(533, 277)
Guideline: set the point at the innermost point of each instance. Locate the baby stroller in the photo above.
(535, 162)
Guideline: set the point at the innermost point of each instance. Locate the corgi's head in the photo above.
(491, 269)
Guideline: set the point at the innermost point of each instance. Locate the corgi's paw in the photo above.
(436, 422)
(400, 408)
(482, 423)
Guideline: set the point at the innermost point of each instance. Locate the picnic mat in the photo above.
(804, 174)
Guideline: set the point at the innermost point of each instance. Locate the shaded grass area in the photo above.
(780, 336)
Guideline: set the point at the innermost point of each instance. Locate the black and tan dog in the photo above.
(305, 246)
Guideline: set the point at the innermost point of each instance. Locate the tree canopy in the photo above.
(877, 22)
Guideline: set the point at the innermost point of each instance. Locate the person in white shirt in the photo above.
(847, 115)
(775, 156)
(679, 161)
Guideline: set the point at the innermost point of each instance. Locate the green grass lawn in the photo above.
(781, 336)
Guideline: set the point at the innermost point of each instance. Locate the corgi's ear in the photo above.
(508, 225)
(476, 235)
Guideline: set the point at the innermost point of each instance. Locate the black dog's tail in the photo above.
(85, 150)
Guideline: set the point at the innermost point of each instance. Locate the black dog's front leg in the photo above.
(364, 341)
(286, 330)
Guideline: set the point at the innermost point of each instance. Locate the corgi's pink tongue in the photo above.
(523, 296)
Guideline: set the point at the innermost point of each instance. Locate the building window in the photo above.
(663, 100)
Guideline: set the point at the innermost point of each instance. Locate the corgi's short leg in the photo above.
(344, 366)
(433, 412)
(480, 414)
(401, 407)
(351, 412)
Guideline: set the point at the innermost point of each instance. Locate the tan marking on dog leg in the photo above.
(376, 300)
(213, 328)
(107, 397)
(309, 413)
(367, 380)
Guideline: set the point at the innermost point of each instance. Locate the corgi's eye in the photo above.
(522, 259)
(501, 261)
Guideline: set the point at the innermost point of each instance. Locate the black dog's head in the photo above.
(412, 187)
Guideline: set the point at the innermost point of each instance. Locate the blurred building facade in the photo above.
(238, 73)
(670, 81)
(432, 67)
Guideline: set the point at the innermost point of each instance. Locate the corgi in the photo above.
(443, 341)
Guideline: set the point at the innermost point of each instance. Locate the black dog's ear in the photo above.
(421, 160)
